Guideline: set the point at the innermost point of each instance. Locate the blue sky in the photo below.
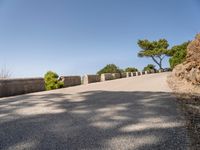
(75, 37)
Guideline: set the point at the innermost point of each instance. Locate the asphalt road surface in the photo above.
(124, 114)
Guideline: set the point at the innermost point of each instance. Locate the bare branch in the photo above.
(5, 73)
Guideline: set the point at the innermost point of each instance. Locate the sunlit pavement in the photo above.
(131, 113)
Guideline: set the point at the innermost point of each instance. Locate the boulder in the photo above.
(190, 69)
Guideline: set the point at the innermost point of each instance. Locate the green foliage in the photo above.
(131, 69)
(153, 49)
(121, 71)
(51, 81)
(149, 67)
(178, 54)
(110, 68)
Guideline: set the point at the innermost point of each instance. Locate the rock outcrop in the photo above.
(186, 76)
(190, 69)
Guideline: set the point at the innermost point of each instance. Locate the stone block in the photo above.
(71, 80)
(91, 79)
(106, 76)
(116, 75)
(123, 75)
(128, 74)
(11, 87)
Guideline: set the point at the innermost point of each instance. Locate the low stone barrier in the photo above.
(91, 79)
(11, 87)
(137, 73)
(70, 80)
(151, 71)
(106, 76)
(134, 74)
(123, 75)
(1, 89)
(128, 74)
(143, 72)
(116, 75)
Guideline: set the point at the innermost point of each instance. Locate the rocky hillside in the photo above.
(186, 76)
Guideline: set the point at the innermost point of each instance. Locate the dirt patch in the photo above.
(188, 98)
(190, 106)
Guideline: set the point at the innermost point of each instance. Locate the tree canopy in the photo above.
(178, 54)
(110, 68)
(149, 67)
(154, 49)
(131, 69)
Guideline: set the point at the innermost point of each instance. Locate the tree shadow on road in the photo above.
(92, 120)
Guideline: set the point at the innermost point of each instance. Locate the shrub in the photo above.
(149, 67)
(131, 69)
(51, 81)
(110, 68)
(178, 54)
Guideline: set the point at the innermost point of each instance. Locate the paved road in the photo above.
(125, 114)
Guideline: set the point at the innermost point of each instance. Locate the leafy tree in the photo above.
(153, 49)
(110, 68)
(178, 54)
(121, 70)
(51, 81)
(131, 69)
(149, 67)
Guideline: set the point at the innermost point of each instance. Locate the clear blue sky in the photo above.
(74, 37)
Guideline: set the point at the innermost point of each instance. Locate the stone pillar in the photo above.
(127, 74)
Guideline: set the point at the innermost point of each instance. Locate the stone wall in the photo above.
(91, 79)
(106, 76)
(116, 75)
(71, 80)
(143, 72)
(11, 87)
(123, 75)
(128, 74)
(134, 73)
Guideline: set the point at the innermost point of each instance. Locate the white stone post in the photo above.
(131, 74)
(127, 74)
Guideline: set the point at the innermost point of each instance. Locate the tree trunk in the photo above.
(158, 63)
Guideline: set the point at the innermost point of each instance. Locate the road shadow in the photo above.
(92, 120)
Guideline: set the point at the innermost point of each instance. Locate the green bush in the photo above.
(110, 68)
(178, 54)
(149, 67)
(131, 69)
(51, 81)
